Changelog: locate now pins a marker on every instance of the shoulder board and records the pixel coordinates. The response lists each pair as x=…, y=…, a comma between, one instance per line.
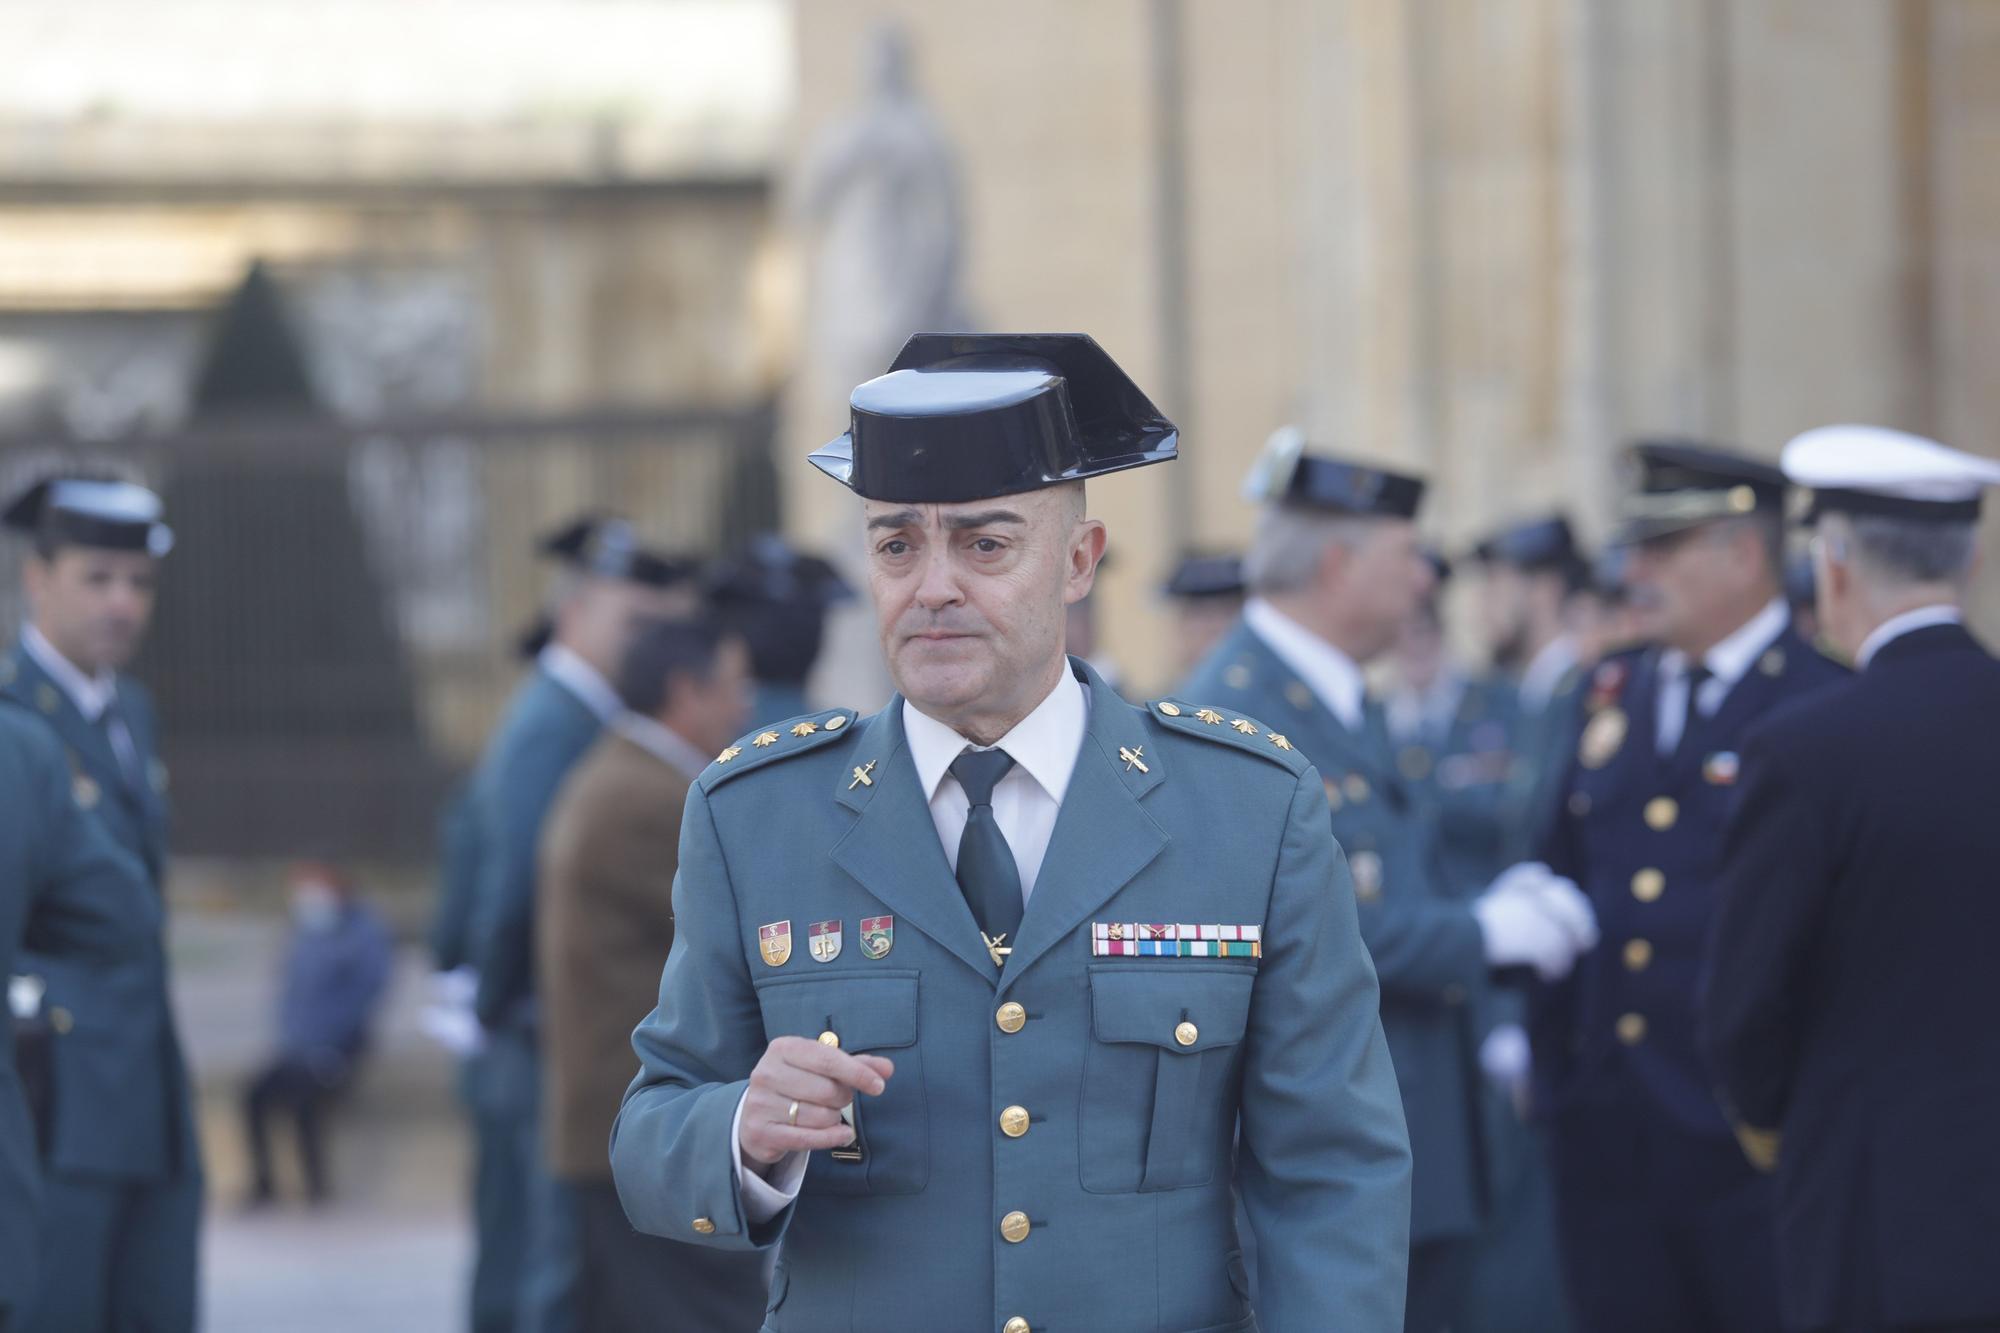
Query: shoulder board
x=780, y=740
x=1226, y=727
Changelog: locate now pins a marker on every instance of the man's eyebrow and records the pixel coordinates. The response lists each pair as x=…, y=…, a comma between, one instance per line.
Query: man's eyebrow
x=984, y=518
x=900, y=518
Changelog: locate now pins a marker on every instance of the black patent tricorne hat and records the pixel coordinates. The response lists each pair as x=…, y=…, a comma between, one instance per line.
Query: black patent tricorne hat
x=964, y=416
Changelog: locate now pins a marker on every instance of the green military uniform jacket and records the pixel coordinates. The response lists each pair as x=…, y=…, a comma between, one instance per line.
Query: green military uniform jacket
x=1425, y=942
x=1055, y=1148
x=72, y=894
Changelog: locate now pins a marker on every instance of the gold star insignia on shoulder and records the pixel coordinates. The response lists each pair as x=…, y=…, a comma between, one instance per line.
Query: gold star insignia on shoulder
x=728, y=754
x=1245, y=725
x=1280, y=741
x=1208, y=715
x=765, y=739
x=805, y=728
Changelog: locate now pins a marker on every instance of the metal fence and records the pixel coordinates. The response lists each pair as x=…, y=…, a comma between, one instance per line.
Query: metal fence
x=338, y=623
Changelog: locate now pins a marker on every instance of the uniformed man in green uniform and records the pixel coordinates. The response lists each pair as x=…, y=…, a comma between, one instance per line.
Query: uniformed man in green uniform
x=1335, y=572
x=969, y=998
x=122, y=1212
x=69, y=892
x=526, y=1271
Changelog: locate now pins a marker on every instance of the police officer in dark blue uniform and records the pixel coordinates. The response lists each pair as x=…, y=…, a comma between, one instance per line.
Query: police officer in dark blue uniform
x=776, y=599
x=1664, y=1223
x=68, y=891
x=123, y=1208
x=1851, y=992
x=525, y=1271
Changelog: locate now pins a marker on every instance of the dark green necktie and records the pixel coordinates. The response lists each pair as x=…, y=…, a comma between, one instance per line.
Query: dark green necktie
x=986, y=870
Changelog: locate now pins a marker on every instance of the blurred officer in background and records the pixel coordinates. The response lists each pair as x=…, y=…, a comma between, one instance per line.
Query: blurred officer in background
x=609, y=581
x=1850, y=992
x=1044, y=1128
x=1335, y=573
x=1664, y=1223
x=68, y=891
x=1206, y=594
x=604, y=926
x=776, y=600
x=1537, y=610
x=122, y=1217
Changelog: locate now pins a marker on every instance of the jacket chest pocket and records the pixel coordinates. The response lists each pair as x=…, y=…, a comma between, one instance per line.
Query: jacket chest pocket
x=875, y=1013
x=1166, y=1044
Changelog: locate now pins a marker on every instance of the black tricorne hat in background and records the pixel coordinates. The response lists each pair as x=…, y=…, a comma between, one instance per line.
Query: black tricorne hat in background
x=1199, y=575
x=1287, y=473
x=963, y=416
x=100, y=511
x=609, y=546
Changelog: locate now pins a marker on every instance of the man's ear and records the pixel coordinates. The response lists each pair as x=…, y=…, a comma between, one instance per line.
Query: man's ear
x=1086, y=549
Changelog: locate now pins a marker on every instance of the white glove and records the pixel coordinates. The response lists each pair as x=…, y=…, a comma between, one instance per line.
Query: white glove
x=1564, y=902
x=1520, y=928
x=1505, y=1059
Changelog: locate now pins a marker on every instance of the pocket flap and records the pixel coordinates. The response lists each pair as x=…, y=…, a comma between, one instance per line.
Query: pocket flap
x=872, y=1012
x=1135, y=1003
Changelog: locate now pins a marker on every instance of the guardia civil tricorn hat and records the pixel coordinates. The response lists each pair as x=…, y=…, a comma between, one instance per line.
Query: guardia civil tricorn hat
x=969, y=416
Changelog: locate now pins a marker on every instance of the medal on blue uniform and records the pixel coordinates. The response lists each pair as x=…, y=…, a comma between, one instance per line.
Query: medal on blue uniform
x=878, y=935
x=823, y=941
x=775, y=942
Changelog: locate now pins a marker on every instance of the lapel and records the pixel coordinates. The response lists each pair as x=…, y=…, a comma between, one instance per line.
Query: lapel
x=892, y=850
x=88, y=741
x=1103, y=836
x=1748, y=697
x=1289, y=705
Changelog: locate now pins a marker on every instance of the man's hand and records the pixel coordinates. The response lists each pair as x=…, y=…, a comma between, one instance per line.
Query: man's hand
x=821, y=1080
x=1535, y=918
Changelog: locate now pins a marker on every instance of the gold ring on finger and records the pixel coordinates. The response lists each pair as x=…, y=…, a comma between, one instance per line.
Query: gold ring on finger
x=792, y=1115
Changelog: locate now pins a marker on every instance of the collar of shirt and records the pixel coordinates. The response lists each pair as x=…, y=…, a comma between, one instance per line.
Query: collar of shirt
x=1028, y=799
x=1545, y=671
x=1730, y=660
x=91, y=694
x=1044, y=743
x=662, y=742
x=582, y=679
x=1895, y=627
x=1327, y=671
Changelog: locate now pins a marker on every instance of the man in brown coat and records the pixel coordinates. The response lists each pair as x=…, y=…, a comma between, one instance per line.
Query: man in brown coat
x=605, y=924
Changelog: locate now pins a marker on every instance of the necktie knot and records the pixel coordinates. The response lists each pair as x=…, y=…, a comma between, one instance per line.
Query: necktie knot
x=979, y=772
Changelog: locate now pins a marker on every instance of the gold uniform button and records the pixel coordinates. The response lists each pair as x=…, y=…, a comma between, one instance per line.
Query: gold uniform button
x=1014, y=1229
x=61, y=1020
x=1187, y=1034
x=1638, y=955
x=703, y=1227
x=1648, y=885
x=1014, y=1121
x=1661, y=813
x=1016, y=1325
x=830, y=1039
x=1011, y=1017
x=1631, y=1028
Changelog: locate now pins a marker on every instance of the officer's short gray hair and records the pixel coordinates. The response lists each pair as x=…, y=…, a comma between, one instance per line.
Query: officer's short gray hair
x=1901, y=550
x=1284, y=556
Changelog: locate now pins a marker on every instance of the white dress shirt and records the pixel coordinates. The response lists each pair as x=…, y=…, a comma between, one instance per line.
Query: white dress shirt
x=1327, y=672
x=1026, y=801
x=583, y=680
x=1727, y=663
x=1895, y=627
x=1545, y=671
x=92, y=695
